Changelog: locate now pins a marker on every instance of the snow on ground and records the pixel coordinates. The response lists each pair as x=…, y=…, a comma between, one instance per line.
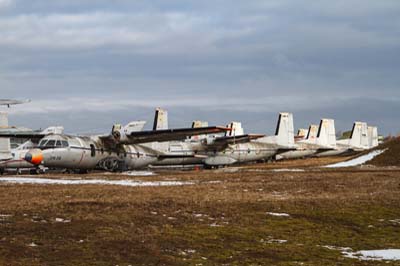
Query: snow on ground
x=383, y=254
x=357, y=161
x=288, y=170
x=138, y=173
x=278, y=214
x=128, y=183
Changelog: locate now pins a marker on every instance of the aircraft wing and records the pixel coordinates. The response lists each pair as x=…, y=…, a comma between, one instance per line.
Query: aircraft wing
x=223, y=142
x=171, y=134
x=160, y=135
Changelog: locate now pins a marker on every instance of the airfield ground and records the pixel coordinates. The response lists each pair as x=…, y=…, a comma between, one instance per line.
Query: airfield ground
x=254, y=215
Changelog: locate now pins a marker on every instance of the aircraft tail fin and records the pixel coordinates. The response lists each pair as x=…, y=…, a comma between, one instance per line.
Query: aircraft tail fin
x=326, y=133
x=5, y=151
x=199, y=124
x=373, y=137
x=236, y=129
x=160, y=119
x=359, y=135
x=312, y=133
x=302, y=133
x=285, y=130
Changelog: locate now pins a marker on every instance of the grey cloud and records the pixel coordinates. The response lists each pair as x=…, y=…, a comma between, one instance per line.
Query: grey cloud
x=251, y=57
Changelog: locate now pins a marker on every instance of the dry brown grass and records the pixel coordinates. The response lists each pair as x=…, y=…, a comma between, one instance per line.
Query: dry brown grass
x=210, y=224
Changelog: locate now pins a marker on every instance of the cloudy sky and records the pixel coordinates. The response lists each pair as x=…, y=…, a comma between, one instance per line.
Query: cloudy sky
x=87, y=64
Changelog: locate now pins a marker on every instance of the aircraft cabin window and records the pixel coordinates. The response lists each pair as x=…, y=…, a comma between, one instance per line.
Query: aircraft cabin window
x=42, y=143
x=64, y=143
x=51, y=143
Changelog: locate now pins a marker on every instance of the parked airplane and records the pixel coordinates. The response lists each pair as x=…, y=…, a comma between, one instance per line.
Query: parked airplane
x=361, y=138
x=234, y=147
x=15, y=158
x=121, y=150
x=319, y=139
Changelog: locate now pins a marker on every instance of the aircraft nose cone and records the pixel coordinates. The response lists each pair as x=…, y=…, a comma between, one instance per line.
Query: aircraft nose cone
x=34, y=157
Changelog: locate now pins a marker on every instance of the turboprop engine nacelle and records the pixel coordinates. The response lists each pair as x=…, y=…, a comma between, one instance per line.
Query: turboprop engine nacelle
x=121, y=133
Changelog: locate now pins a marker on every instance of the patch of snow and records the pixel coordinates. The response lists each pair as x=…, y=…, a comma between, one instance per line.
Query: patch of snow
x=288, y=170
x=278, y=214
x=192, y=251
x=338, y=248
x=4, y=217
x=357, y=161
x=138, y=173
x=215, y=225
x=395, y=221
x=32, y=245
x=129, y=183
x=276, y=241
x=383, y=254
x=61, y=220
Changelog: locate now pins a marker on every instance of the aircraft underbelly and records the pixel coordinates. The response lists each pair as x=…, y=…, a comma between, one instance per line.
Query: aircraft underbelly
x=330, y=153
x=295, y=154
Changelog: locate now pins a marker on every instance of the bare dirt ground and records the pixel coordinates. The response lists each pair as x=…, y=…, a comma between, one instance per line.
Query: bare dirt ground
x=227, y=217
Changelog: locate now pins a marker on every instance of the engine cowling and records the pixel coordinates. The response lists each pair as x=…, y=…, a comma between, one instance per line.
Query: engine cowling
x=111, y=164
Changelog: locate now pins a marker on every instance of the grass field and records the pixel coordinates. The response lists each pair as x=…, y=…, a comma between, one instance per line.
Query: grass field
x=237, y=219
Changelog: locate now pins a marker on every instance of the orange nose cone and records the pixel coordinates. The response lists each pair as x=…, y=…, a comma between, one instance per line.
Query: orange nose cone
x=34, y=157
x=37, y=158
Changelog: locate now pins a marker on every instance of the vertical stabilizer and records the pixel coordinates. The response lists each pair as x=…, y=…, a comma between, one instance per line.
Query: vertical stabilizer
x=312, y=134
x=236, y=129
x=198, y=124
x=160, y=119
x=359, y=135
x=373, y=137
x=5, y=152
x=285, y=129
x=302, y=133
x=326, y=133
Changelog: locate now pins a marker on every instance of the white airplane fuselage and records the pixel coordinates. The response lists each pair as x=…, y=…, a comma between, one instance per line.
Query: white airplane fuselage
x=87, y=153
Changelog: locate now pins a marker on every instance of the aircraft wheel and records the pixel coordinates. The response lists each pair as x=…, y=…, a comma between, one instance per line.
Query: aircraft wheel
x=82, y=172
x=33, y=172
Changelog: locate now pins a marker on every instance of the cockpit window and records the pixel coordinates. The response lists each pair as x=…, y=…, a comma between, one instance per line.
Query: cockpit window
x=58, y=144
x=64, y=143
x=42, y=142
x=51, y=143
